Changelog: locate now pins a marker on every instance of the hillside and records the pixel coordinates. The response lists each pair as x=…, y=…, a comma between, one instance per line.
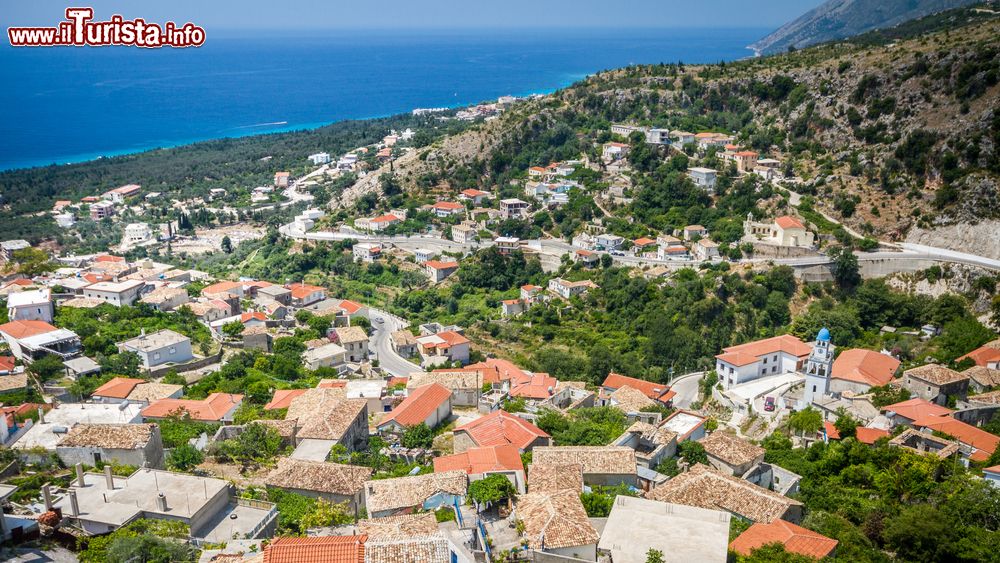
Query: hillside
x=838, y=19
x=891, y=140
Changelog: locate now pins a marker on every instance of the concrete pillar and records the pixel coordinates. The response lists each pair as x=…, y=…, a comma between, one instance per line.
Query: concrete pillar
x=74, y=505
x=47, y=495
x=109, y=478
x=161, y=502
x=79, y=475
x=41, y=415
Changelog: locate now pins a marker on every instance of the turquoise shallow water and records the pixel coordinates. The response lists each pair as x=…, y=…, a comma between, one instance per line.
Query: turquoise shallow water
x=73, y=104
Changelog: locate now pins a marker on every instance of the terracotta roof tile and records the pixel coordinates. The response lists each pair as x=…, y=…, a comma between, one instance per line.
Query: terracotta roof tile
x=731, y=449
x=407, y=492
x=548, y=477
x=418, y=405
x=111, y=436
x=917, y=408
x=870, y=435
x=786, y=222
x=864, y=366
x=481, y=460
x=935, y=374
x=401, y=526
x=318, y=476
x=983, y=376
x=554, y=520
x=796, y=539
x=211, y=409
x=26, y=329
x=325, y=549
x=989, y=352
x=117, y=387
x=501, y=427
x=651, y=389
x=785, y=343
x=614, y=460
x=705, y=487
x=325, y=413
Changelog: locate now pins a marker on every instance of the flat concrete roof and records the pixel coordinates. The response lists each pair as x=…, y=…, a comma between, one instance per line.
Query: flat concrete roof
x=635, y=525
x=682, y=423
x=185, y=494
x=66, y=415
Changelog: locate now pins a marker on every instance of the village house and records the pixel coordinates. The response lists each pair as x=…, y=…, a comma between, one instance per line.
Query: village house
x=52, y=424
x=123, y=193
x=166, y=298
x=745, y=161
x=499, y=428
x=134, y=390
x=480, y=463
x=513, y=208
x=982, y=379
x=753, y=360
x=159, y=348
x=935, y=383
x=566, y=289
x=444, y=209
x=556, y=522
x=354, y=340
x=506, y=245
x=139, y=445
x=692, y=232
x=119, y=294
x=795, y=539
x=672, y=252
x=511, y=307
x=304, y=295
x=703, y=177
x=223, y=290
x=987, y=355
x=704, y=487
x=555, y=477
x=324, y=418
x=430, y=405
x=136, y=233
x=319, y=158
x=273, y=294
x=976, y=444
x=602, y=465
x=614, y=151
x=333, y=482
x=651, y=444
x=217, y=407
x=637, y=525
x=466, y=385
x=706, y=249
x=31, y=305
x=625, y=130
x=730, y=454
x=404, y=495
x=784, y=231
x=687, y=425
x=324, y=356
x=281, y=179
x=210, y=310
x=463, y=234
x=102, y=210
x=438, y=270
x=858, y=370
x=473, y=195
x=446, y=345
x=378, y=224
x=586, y=257
x=911, y=410
x=101, y=503
x=924, y=443
x=367, y=251
x=404, y=343
x=9, y=247
x=30, y=340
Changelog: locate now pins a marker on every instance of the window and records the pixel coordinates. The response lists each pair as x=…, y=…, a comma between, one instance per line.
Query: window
x=814, y=388
x=172, y=351
x=156, y=355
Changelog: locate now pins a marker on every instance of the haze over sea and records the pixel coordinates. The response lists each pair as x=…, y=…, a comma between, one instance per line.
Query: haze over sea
x=67, y=104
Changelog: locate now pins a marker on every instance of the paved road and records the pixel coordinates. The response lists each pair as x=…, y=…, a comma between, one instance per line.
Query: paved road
x=686, y=387
x=388, y=359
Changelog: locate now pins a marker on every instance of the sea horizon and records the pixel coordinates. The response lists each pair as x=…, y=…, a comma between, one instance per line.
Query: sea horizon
x=119, y=101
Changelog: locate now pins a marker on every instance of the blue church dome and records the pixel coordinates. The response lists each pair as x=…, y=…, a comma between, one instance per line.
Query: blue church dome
x=823, y=336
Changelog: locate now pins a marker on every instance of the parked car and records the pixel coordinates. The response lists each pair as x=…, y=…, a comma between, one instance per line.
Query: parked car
x=769, y=404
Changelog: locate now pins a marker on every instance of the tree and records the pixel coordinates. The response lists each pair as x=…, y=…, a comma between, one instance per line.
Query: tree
x=654, y=556
x=693, y=452
x=326, y=513
x=846, y=424
x=256, y=444
x=227, y=245
x=47, y=367
x=806, y=421
x=494, y=488
x=418, y=436
x=32, y=262
x=233, y=329
x=184, y=458
x=844, y=267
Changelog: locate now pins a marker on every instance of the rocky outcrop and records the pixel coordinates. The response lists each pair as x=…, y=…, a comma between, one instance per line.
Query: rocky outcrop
x=982, y=238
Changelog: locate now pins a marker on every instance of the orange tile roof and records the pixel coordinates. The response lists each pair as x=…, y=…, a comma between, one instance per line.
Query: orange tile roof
x=452, y=338
x=220, y=287
x=211, y=409
x=500, y=428
x=870, y=435
x=7, y=363
x=984, y=442
x=916, y=409
x=748, y=154
x=656, y=391
x=385, y=219
x=282, y=398
x=796, y=539
x=301, y=290
x=418, y=405
x=438, y=265
x=351, y=307
x=473, y=193
x=118, y=388
x=448, y=205
x=322, y=549
x=644, y=241
x=109, y=258
x=538, y=386
x=26, y=329
x=255, y=316
x=994, y=469
x=989, y=352
x=504, y=457
x=864, y=366
x=831, y=430
x=785, y=343
x=786, y=222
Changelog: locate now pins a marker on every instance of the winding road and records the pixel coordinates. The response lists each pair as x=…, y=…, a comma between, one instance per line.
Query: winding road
x=381, y=341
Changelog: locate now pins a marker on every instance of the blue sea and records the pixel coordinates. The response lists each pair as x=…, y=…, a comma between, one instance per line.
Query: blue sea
x=68, y=104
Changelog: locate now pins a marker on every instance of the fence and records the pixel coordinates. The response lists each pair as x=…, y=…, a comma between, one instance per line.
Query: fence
x=189, y=366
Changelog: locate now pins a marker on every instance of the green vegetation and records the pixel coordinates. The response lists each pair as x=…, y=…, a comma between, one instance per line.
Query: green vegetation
x=152, y=541
x=184, y=458
x=256, y=445
x=418, y=436
x=595, y=426
x=491, y=489
x=599, y=500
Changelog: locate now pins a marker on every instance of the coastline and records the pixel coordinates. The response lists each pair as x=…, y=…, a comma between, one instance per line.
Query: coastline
x=251, y=131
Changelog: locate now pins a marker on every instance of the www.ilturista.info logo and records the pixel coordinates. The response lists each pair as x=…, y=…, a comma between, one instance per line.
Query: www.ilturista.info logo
x=78, y=30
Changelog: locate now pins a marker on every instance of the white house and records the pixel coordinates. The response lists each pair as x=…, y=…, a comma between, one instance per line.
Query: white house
x=658, y=136
x=119, y=294
x=513, y=208
x=567, y=289
x=506, y=245
x=33, y=305
x=162, y=347
x=136, y=233
x=706, y=249
x=703, y=177
x=319, y=158
x=784, y=231
x=753, y=360
x=367, y=251
x=613, y=151
x=609, y=242
x=438, y=270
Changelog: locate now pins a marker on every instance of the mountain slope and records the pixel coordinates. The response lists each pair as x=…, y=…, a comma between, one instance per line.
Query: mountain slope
x=838, y=19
